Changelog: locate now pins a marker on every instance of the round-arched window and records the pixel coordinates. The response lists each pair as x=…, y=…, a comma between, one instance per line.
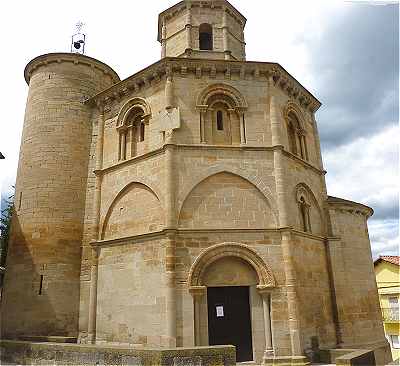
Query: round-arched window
x=206, y=37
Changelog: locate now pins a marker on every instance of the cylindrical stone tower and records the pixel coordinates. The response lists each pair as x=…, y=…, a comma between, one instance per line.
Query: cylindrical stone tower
x=41, y=289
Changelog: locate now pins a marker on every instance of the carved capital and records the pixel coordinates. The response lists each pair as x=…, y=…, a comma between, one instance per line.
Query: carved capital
x=198, y=291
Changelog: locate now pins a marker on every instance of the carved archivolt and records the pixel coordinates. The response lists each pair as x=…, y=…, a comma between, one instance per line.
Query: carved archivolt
x=216, y=252
x=130, y=105
x=222, y=92
x=292, y=107
x=303, y=190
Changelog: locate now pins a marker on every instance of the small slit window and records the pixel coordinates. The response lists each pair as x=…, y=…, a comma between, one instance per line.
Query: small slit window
x=41, y=285
x=220, y=121
x=206, y=37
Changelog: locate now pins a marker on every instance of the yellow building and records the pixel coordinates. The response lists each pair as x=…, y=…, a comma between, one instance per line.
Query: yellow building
x=387, y=270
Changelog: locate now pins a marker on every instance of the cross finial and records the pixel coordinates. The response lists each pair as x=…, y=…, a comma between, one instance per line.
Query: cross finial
x=79, y=26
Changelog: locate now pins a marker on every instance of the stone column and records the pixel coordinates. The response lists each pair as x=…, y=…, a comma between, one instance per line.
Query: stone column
x=123, y=145
x=225, y=36
x=197, y=293
x=242, y=127
x=99, y=165
x=317, y=143
x=93, y=297
x=163, y=40
x=275, y=125
x=188, y=27
x=95, y=232
x=133, y=140
x=169, y=93
x=302, y=148
x=266, y=299
x=170, y=291
x=170, y=224
x=203, y=112
x=282, y=195
x=170, y=174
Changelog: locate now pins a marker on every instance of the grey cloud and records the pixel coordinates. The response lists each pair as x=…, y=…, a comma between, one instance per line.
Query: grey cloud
x=385, y=210
x=356, y=61
x=384, y=236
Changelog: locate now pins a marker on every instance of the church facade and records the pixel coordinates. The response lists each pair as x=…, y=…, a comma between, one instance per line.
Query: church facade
x=184, y=206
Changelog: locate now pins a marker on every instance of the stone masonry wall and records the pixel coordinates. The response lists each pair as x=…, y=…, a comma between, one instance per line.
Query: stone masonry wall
x=359, y=313
x=45, y=246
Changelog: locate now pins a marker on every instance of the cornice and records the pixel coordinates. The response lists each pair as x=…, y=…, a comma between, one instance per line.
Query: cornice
x=308, y=235
x=74, y=58
x=161, y=234
x=304, y=162
x=183, y=67
x=127, y=162
x=161, y=150
x=349, y=206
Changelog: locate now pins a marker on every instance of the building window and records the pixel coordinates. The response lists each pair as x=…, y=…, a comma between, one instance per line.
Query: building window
x=41, y=285
x=220, y=121
x=395, y=341
x=296, y=137
x=206, y=37
x=131, y=133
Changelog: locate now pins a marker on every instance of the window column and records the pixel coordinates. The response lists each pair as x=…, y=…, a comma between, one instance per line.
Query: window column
x=242, y=126
x=188, y=27
x=203, y=113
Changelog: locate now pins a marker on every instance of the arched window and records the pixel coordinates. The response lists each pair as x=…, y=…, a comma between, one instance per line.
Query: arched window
x=205, y=37
x=220, y=121
x=131, y=133
x=222, y=115
x=296, y=137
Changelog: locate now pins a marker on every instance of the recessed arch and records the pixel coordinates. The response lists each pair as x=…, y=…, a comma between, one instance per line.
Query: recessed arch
x=292, y=108
x=205, y=98
x=155, y=201
x=129, y=106
x=252, y=178
x=304, y=194
x=225, y=250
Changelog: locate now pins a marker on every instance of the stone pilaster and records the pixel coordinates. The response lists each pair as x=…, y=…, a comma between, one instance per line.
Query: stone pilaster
x=170, y=291
x=290, y=274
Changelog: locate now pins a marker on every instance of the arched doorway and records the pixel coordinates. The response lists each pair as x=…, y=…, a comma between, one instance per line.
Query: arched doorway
x=231, y=284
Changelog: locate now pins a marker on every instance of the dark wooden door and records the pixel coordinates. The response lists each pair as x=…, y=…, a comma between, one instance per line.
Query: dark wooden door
x=229, y=320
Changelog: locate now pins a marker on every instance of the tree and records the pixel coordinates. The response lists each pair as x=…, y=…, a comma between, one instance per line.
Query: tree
x=5, y=223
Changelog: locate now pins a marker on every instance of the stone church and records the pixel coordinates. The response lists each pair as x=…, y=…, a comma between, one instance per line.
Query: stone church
x=184, y=206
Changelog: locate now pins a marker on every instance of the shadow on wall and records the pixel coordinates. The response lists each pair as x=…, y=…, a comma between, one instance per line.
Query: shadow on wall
x=26, y=308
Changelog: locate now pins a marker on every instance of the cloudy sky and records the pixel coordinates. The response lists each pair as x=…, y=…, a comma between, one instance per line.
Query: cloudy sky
x=345, y=52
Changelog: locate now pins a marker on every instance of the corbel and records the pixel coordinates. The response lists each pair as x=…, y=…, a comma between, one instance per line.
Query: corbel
x=198, y=72
x=184, y=71
x=228, y=73
x=146, y=81
x=242, y=72
x=213, y=72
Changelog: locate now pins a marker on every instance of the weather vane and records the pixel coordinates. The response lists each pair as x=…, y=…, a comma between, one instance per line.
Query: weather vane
x=78, y=39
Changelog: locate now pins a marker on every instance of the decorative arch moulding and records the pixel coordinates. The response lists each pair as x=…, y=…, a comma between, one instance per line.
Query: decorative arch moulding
x=216, y=252
x=174, y=66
